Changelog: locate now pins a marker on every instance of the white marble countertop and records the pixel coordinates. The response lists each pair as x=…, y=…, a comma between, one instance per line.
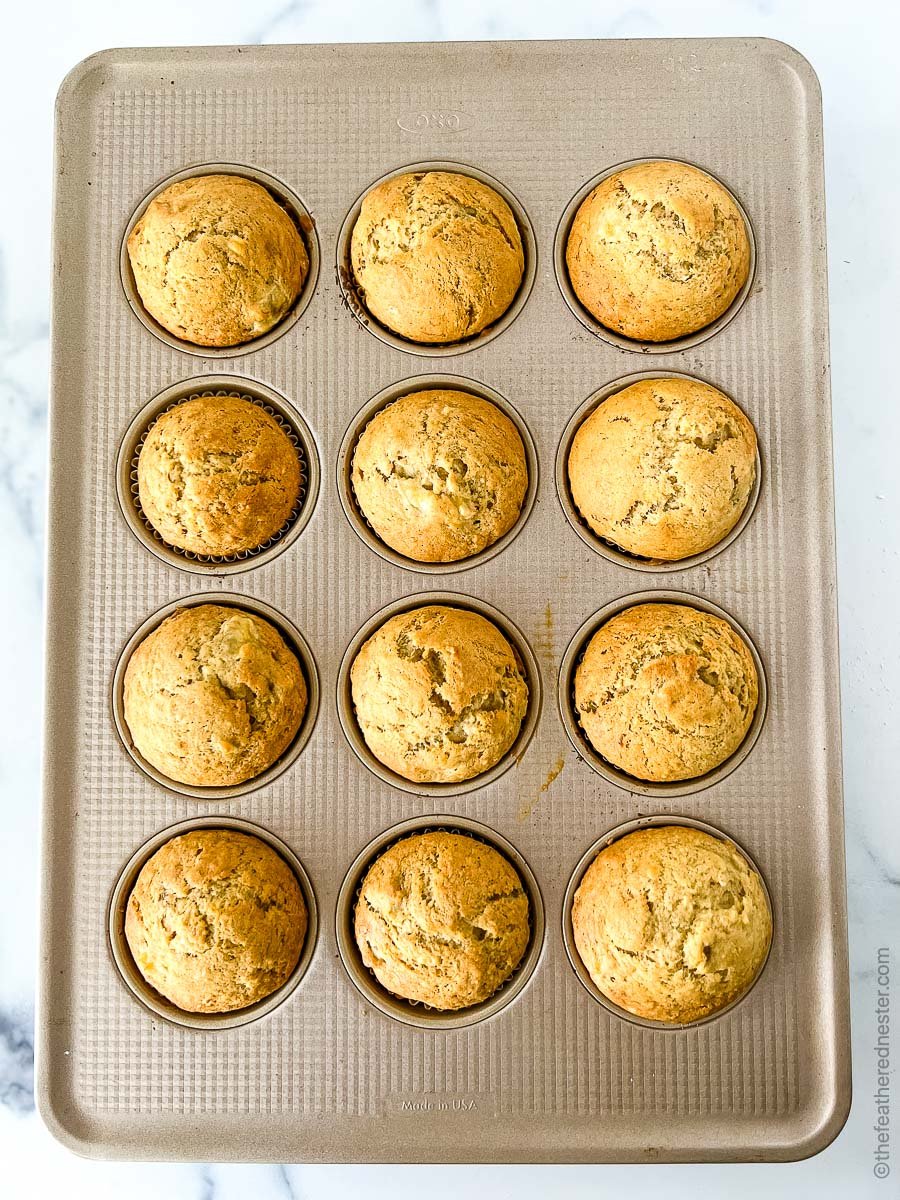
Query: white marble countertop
x=853, y=48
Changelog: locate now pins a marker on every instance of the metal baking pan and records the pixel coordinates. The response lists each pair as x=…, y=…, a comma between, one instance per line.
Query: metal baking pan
x=330, y=1071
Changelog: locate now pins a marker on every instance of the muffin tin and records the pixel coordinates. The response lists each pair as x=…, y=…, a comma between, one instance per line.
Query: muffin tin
x=334, y=1069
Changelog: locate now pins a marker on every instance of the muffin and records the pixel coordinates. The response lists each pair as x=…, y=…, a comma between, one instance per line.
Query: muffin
x=216, y=260
x=671, y=923
x=217, y=475
x=439, y=694
x=436, y=256
x=665, y=691
x=216, y=921
x=663, y=469
x=440, y=475
x=442, y=920
x=657, y=251
x=213, y=696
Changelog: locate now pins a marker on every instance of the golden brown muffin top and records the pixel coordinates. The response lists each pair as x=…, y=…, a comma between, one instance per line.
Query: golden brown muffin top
x=666, y=691
x=437, y=255
x=213, y=696
x=671, y=923
x=658, y=251
x=216, y=260
x=663, y=469
x=216, y=920
x=442, y=919
x=439, y=694
x=440, y=475
x=217, y=475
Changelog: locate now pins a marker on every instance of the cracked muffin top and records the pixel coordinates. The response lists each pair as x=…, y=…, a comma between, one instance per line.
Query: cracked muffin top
x=671, y=923
x=442, y=920
x=663, y=469
x=440, y=475
x=213, y=696
x=658, y=251
x=439, y=694
x=217, y=475
x=666, y=691
x=437, y=256
x=216, y=260
x=216, y=921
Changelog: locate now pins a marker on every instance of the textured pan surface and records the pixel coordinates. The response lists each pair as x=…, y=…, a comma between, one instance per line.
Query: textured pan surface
x=553, y=1076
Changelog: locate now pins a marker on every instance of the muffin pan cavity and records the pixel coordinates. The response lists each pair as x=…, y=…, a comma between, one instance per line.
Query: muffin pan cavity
x=609, y=335
x=134, y=981
x=568, y=934
x=609, y=550
x=354, y=301
x=526, y=661
x=287, y=198
x=566, y=699
x=422, y=1015
x=355, y=429
x=294, y=639
x=271, y=402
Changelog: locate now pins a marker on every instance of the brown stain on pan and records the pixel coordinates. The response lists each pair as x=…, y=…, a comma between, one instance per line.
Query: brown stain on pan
x=526, y=809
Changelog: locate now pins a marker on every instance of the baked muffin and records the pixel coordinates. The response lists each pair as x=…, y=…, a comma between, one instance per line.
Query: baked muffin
x=440, y=475
x=439, y=694
x=216, y=921
x=442, y=920
x=216, y=260
x=666, y=691
x=664, y=468
x=437, y=256
x=657, y=251
x=213, y=696
x=217, y=475
x=671, y=923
